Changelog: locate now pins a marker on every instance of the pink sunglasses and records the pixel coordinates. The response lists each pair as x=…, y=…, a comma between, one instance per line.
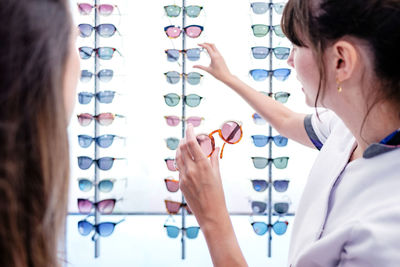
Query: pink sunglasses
x=104, y=9
x=175, y=120
x=192, y=31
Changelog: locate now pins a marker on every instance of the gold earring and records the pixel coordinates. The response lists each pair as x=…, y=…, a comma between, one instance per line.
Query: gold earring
x=339, y=86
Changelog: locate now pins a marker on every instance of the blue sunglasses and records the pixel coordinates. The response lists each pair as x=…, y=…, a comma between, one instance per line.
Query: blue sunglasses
x=173, y=231
x=263, y=140
x=262, y=74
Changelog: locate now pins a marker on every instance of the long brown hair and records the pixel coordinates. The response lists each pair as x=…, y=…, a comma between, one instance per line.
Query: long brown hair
x=34, y=158
x=318, y=23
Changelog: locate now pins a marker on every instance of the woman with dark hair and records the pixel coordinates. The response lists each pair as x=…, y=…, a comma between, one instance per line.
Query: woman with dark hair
x=39, y=69
x=345, y=54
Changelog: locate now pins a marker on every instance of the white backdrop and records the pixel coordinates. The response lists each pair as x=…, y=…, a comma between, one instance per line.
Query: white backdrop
x=140, y=80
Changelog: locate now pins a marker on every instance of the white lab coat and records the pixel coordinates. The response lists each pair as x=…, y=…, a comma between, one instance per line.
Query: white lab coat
x=349, y=213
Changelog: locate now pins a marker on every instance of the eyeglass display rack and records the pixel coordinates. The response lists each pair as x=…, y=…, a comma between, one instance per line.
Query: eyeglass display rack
x=270, y=150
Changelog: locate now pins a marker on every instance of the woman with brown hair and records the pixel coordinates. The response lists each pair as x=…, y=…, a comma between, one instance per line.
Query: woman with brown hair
x=345, y=54
x=39, y=69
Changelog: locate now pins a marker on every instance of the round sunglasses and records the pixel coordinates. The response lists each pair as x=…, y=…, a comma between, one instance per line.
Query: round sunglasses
x=261, y=30
x=105, y=53
x=262, y=74
x=175, y=120
x=193, y=78
x=192, y=31
x=173, y=231
x=104, y=163
x=193, y=54
x=171, y=184
x=262, y=185
x=103, y=141
x=105, y=97
x=104, y=75
x=263, y=140
x=279, y=227
x=260, y=8
x=104, y=30
x=230, y=132
x=105, y=206
x=192, y=100
x=103, y=229
x=261, y=162
x=103, y=9
x=104, y=119
x=261, y=52
x=192, y=11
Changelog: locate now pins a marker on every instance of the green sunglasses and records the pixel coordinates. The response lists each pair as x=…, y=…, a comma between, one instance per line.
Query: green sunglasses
x=260, y=30
x=191, y=100
x=191, y=11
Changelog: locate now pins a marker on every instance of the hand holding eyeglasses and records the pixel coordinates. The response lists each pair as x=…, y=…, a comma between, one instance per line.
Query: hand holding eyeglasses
x=200, y=180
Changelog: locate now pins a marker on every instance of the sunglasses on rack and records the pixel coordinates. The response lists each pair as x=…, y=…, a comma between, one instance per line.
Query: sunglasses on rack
x=281, y=207
x=104, y=97
x=261, y=162
x=105, y=53
x=278, y=96
x=262, y=74
x=258, y=207
x=261, y=30
x=260, y=8
x=104, y=163
x=279, y=227
x=263, y=140
x=173, y=207
x=262, y=185
x=193, y=78
x=230, y=132
x=103, y=141
x=104, y=9
x=171, y=165
x=175, y=120
x=172, y=143
x=104, y=186
x=192, y=31
x=104, y=30
x=104, y=119
x=258, y=119
x=104, y=75
x=171, y=184
x=105, y=206
x=173, y=231
x=192, y=100
x=193, y=54
x=261, y=52
x=103, y=229
x=191, y=11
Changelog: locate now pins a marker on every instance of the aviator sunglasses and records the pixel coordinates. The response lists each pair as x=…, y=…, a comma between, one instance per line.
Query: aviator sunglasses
x=230, y=132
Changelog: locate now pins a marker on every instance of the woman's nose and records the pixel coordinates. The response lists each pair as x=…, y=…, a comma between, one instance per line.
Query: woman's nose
x=290, y=61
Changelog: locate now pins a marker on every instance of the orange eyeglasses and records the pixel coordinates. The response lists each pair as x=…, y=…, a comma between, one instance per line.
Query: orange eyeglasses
x=231, y=132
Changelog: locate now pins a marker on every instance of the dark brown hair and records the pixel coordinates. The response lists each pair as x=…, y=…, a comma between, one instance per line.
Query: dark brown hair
x=34, y=160
x=317, y=23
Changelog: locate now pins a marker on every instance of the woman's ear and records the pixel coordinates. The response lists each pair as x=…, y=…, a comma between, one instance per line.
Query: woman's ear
x=345, y=59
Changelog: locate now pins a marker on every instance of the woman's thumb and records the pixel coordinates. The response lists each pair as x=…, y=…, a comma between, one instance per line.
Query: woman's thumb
x=207, y=69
